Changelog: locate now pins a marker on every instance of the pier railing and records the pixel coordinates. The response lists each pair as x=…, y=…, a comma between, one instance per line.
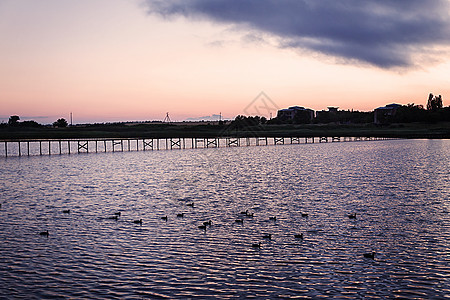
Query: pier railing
x=33, y=147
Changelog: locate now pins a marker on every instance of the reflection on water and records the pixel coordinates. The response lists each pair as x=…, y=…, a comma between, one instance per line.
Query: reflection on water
x=399, y=191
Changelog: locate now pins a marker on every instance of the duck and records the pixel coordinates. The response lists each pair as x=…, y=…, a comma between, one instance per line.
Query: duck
x=369, y=255
x=298, y=236
x=44, y=233
x=180, y=215
x=256, y=245
x=241, y=221
x=250, y=215
x=138, y=221
x=164, y=218
x=66, y=211
x=202, y=227
x=114, y=218
x=352, y=216
x=273, y=218
x=117, y=214
x=191, y=204
x=244, y=212
x=267, y=236
x=305, y=215
x=208, y=223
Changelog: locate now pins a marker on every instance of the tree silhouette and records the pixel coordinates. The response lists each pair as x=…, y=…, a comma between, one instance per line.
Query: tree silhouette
x=13, y=120
x=60, y=123
x=434, y=102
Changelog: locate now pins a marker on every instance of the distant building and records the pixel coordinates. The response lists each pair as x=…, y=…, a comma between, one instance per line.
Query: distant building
x=327, y=116
x=298, y=114
x=384, y=115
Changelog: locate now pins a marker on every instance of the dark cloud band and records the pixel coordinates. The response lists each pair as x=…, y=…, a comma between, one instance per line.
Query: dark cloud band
x=386, y=33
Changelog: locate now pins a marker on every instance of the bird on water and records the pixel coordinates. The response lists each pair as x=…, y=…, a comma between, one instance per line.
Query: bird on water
x=299, y=236
x=138, y=221
x=207, y=223
x=369, y=255
x=267, y=236
x=305, y=215
x=180, y=215
x=256, y=245
x=240, y=221
x=66, y=211
x=203, y=227
x=273, y=218
x=164, y=218
x=114, y=218
x=191, y=204
x=44, y=233
x=352, y=216
x=117, y=214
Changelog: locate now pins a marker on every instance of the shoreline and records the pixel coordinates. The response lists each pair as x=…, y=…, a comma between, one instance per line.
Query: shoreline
x=111, y=131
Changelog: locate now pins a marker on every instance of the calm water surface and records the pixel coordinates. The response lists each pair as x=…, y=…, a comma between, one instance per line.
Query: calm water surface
x=399, y=190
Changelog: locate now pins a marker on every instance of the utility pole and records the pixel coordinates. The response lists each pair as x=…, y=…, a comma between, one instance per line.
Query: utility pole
x=71, y=120
x=167, y=119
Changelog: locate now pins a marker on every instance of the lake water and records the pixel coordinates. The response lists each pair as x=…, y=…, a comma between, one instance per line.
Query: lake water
x=399, y=190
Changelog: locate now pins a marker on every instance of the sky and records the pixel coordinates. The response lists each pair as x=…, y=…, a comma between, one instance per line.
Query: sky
x=136, y=60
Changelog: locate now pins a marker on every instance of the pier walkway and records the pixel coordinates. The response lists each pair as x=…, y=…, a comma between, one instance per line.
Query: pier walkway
x=30, y=147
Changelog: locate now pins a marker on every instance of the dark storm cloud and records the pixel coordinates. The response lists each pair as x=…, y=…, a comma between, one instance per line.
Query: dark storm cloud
x=386, y=33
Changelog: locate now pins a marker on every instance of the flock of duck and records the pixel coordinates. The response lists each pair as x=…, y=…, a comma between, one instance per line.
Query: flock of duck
x=204, y=226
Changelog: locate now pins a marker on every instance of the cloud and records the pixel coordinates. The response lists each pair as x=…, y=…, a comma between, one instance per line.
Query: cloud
x=385, y=33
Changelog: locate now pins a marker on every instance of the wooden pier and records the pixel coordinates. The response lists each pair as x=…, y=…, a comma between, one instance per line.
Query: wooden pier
x=76, y=146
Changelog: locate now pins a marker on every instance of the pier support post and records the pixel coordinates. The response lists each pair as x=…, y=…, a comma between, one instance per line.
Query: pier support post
x=175, y=143
x=148, y=144
x=277, y=141
x=83, y=145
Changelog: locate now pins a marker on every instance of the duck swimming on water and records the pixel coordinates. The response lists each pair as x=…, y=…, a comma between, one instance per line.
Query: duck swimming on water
x=256, y=245
x=369, y=255
x=44, y=233
x=138, y=221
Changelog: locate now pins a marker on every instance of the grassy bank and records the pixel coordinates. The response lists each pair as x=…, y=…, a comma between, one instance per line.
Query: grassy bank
x=409, y=130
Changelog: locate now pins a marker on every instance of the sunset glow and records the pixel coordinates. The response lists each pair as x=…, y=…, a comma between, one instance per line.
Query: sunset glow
x=125, y=60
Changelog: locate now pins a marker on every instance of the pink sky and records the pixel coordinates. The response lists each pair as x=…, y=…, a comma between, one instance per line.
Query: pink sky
x=108, y=60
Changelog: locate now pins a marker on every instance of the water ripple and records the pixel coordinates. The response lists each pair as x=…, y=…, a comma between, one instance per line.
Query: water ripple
x=397, y=189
